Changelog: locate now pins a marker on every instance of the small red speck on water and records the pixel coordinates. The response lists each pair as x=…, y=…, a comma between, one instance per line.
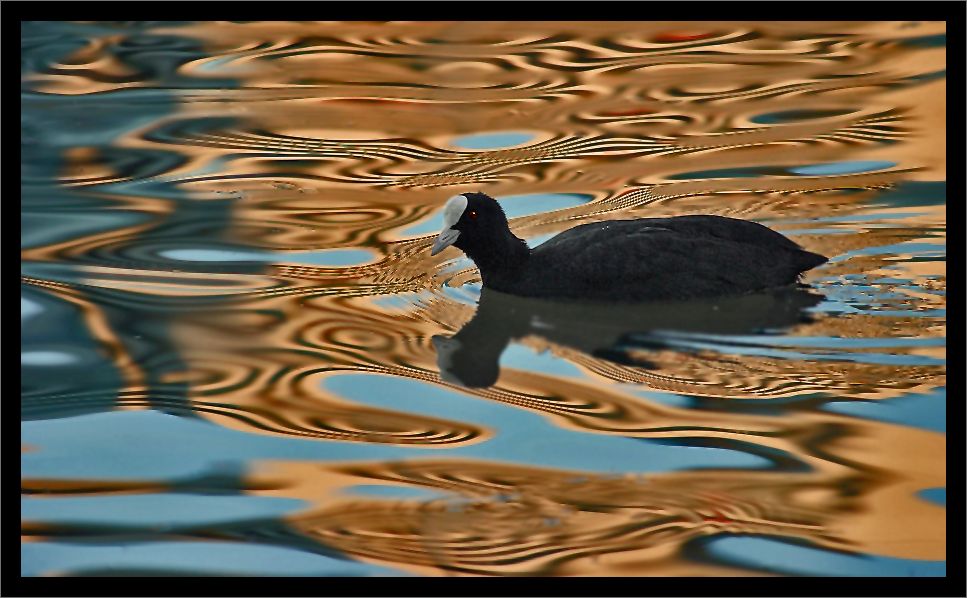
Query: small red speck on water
x=717, y=517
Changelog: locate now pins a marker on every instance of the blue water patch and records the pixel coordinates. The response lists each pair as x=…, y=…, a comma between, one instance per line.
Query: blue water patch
x=387, y=491
x=818, y=231
x=934, y=250
x=914, y=193
x=524, y=358
x=326, y=257
x=397, y=301
x=928, y=411
x=468, y=294
x=670, y=399
x=165, y=510
x=165, y=447
x=851, y=295
x=426, y=227
x=811, y=341
x=793, y=116
x=320, y=257
x=536, y=240
x=514, y=206
x=926, y=41
x=870, y=219
x=212, y=558
x=725, y=344
x=760, y=553
x=65, y=370
x=527, y=438
x=47, y=228
x=937, y=496
x=842, y=167
x=29, y=308
x=213, y=255
x=495, y=140
x=46, y=358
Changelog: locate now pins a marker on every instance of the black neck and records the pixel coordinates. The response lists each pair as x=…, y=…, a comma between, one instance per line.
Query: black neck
x=500, y=261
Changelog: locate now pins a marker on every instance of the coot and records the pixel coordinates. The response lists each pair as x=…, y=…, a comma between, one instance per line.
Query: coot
x=683, y=257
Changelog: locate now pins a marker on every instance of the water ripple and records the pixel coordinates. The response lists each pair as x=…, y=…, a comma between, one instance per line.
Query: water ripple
x=225, y=265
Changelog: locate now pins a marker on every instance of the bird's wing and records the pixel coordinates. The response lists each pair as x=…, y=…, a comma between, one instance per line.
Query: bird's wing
x=685, y=264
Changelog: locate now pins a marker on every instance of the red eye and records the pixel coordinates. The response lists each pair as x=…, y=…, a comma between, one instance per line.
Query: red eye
x=472, y=214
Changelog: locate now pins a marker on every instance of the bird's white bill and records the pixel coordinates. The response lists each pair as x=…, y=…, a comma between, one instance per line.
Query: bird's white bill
x=445, y=239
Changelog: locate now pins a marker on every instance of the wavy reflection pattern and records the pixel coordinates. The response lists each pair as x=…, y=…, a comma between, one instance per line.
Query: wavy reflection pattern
x=228, y=224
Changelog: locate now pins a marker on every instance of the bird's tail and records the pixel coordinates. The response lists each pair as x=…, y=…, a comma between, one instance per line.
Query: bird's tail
x=807, y=260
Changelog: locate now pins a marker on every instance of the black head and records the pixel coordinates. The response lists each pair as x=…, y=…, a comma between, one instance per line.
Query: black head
x=471, y=220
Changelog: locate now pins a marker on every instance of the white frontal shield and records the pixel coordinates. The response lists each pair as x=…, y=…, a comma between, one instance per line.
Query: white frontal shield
x=452, y=212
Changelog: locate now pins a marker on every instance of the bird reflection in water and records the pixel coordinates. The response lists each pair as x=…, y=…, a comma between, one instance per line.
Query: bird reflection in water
x=617, y=332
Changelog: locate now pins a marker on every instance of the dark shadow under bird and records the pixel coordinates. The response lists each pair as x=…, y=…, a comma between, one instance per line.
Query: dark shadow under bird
x=621, y=332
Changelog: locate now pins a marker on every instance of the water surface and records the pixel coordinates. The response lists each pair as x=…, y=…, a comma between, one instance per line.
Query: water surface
x=239, y=358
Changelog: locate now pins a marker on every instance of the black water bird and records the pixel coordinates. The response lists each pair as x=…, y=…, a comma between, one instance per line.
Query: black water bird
x=618, y=332
x=646, y=259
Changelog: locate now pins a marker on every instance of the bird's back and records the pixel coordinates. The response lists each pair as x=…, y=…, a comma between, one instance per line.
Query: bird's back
x=663, y=258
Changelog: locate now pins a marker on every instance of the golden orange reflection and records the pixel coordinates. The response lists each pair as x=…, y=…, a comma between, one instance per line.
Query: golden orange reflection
x=336, y=136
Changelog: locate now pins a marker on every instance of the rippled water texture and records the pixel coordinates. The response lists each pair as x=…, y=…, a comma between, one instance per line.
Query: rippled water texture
x=239, y=357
